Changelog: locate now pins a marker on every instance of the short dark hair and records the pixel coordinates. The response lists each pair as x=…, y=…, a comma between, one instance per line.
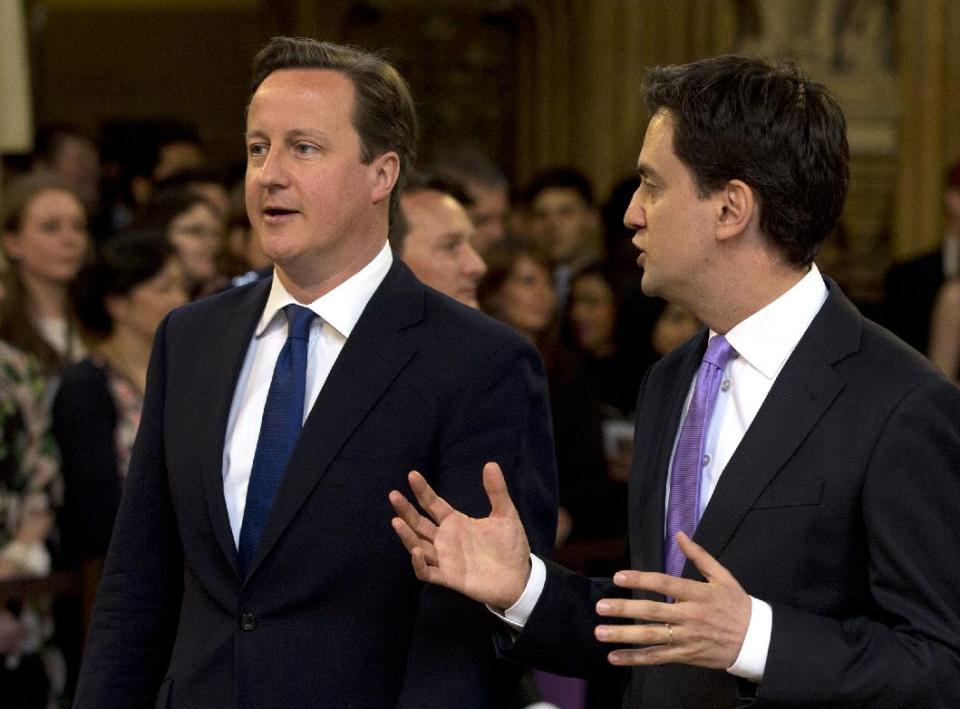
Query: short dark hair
x=123, y=262
x=384, y=115
x=423, y=181
x=767, y=124
x=470, y=165
x=561, y=178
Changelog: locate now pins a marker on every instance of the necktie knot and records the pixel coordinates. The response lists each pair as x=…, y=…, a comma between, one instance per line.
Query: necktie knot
x=719, y=351
x=299, y=319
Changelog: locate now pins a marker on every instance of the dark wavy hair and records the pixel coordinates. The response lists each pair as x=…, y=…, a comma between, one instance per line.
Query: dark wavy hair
x=123, y=262
x=384, y=115
x=767, y=124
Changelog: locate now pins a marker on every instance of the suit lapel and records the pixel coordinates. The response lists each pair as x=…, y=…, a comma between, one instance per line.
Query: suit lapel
x=804, y=390
x=226, y=347
x=373, y=356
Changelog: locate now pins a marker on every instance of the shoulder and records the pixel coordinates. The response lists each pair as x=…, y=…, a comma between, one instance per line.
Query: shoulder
x=84, y=373
x=83, y=387
x=466, y=332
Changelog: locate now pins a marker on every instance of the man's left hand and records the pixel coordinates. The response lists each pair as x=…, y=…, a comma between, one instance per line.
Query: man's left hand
x=704, y=626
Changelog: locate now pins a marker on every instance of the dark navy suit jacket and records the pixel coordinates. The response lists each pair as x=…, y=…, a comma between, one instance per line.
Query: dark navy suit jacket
x=330, y=614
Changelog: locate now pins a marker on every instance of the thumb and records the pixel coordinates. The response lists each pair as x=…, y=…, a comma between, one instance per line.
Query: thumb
x=493, y=482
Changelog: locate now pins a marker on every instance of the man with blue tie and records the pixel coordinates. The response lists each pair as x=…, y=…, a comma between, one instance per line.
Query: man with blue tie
x=252, y=562
x=795, y=488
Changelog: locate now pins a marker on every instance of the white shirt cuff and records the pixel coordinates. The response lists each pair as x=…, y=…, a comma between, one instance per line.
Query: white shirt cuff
x=752, y=660
x=516, y=616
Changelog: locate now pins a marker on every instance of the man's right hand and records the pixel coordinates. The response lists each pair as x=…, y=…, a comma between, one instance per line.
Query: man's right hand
x=486, y=559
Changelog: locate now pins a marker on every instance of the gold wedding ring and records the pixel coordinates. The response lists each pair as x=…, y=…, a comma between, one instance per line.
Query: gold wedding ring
x=670, y=636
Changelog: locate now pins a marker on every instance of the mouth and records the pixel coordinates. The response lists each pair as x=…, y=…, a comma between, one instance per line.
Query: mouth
x=277, y=214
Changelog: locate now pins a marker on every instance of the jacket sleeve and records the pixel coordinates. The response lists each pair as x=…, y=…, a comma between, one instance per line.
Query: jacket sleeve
x=135, y=614
x=502, y=415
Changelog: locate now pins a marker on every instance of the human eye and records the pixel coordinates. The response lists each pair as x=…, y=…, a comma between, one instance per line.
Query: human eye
x=256, y=150
x=303, y=148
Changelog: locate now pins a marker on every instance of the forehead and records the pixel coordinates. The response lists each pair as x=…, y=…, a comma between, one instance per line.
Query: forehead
x=305, y=95
x=554, y=197
x=657, y=153
x=49, y=200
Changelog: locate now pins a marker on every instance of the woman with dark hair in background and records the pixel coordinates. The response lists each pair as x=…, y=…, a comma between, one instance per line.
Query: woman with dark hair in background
x=121, y=300
x=194, y=228
x=45, y=242
x=518, y=290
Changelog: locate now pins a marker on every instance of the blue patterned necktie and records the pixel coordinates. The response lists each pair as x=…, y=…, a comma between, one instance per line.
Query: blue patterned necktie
x=279, y=430
x=683, y=510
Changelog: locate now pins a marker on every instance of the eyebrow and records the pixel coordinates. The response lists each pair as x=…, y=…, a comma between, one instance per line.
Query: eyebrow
x=289, y=135
x=645, y=170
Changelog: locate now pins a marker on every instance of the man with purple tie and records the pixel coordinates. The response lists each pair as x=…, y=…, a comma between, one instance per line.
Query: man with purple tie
x=795, y=488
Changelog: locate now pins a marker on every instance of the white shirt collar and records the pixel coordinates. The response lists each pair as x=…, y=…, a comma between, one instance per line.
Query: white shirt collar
x=768, y=337
x=340, y=308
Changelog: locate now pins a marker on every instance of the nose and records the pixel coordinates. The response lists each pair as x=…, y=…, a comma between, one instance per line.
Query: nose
x=635, y=218
x=474, y=266
x=271, y=171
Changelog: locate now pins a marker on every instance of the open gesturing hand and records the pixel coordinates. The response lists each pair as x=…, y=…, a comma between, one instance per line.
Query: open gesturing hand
x=704, y=626
x=486, y=559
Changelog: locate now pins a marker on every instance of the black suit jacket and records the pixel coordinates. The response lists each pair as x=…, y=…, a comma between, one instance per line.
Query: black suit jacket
x=330, y=614
x=840, y=508
x=910, y=293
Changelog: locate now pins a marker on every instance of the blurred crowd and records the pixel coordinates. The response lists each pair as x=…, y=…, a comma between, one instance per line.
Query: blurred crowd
x=100, y=240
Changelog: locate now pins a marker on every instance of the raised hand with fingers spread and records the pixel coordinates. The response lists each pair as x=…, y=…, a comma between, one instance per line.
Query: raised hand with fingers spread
x=486, y=559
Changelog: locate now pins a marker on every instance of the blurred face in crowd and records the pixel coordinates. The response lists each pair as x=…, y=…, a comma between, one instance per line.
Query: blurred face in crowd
x=318, y=210
x=140, y=311
x=488, y=212
x=178, y=156
x=561, y=222
x=527, y=300
x=52, y=241
x=438, y=246
x=675, y=326
x=196, y=235
x=593, y=314
x=78, y=164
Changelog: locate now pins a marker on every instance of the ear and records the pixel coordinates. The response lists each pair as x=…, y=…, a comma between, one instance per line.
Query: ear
x=385, y=171
x=951, y=200
x=736, y=204
x=11, y=245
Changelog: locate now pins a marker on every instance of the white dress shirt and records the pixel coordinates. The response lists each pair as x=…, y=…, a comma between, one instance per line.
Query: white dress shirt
x=763, y=342
x=338, y=312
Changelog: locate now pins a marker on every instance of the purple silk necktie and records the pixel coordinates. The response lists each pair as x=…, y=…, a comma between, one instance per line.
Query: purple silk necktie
x=683, y=511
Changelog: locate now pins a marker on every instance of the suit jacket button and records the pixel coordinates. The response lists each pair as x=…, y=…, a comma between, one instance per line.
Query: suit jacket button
x=248, y=622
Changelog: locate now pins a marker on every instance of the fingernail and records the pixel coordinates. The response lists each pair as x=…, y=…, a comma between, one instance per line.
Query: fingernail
x=603, y=633
x=614, y=659
x=603, y=607
x=619, y=578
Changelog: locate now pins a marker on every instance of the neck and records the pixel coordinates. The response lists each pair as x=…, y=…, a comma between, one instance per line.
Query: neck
x=306, y=283
x=736, y=300
x=48, y=299
x=128, y=354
